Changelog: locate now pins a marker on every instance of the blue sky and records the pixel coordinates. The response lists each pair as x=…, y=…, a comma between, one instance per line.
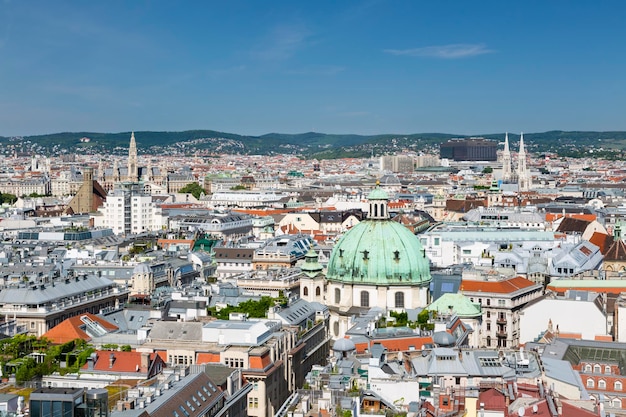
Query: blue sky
x=254, y=67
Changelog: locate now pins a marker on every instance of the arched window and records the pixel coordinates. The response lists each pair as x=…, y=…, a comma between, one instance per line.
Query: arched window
x=365, y=299
x=607, y=369
x=590, y=383
x=597, y=369
x=602, y=384
x=305, y=292
x=318, y=292
x=588, y=368
x=337, y=295
x=399, y=299
x=618, y=386
x=336, y=328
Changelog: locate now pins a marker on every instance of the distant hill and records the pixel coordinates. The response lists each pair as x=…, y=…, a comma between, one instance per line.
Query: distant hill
x=310, y=145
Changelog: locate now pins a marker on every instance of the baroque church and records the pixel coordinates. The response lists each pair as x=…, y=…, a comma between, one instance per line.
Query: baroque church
x=377, y=263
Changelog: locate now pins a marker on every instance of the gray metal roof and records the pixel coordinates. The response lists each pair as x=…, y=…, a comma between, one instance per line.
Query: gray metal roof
x=54, y=291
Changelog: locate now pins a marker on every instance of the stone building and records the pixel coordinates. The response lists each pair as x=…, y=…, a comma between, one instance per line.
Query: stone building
x=89, y=196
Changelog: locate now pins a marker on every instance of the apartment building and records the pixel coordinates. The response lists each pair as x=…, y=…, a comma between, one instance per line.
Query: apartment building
x=501, y=301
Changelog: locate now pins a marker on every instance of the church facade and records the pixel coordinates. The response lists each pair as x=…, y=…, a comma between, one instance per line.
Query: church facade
x=377, y=263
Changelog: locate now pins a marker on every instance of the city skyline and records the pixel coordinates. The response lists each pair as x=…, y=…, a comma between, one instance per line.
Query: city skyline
x=364, y=68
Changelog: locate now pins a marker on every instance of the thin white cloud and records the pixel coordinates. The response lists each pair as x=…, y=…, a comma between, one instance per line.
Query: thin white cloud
x=282, y=43
x=452, y=51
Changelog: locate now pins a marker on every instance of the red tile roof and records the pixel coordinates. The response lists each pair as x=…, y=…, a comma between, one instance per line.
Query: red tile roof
x=601, y=240
x=402, y=344
x=617, y=252
x=493, y=400
x=72, y=329
x=500, y=287
x=109, y=361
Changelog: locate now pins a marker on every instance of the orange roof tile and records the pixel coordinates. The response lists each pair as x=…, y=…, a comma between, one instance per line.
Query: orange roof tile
x=115, y=361
x=601, y=240
x=205, y=357
x=550, y=217
x=260, y=362
x=397, y=344
x=566, y=335
x=71, y=329
x=500, y=287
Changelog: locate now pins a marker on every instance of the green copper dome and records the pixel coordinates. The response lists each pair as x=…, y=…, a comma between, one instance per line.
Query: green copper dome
x=377, y=194
x=458, y=304
x=379, y=252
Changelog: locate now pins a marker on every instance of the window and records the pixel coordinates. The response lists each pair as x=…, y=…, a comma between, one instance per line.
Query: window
x=365, y=299
x=597, y=369
x=399, y=299
x=305, y=292
x=488, y=326
x=618, y=386
x=318, y=291
x=607, y=369
x=436, y=241
x=337, y=295
x=488, y=314
x=488, y=301
x=590, y=383
x=602, y=384
x=617, y=403
x=588, y=368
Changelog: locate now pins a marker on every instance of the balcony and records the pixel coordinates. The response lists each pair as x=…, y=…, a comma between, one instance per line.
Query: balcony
x=501, y=334
x=501, y=320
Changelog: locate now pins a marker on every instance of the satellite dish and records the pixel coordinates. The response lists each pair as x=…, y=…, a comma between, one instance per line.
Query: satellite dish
x=521, y=411
x=535, y=409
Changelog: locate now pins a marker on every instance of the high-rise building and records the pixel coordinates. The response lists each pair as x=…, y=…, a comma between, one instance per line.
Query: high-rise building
x=396, y=163
x=128, y=209
x=472, y=149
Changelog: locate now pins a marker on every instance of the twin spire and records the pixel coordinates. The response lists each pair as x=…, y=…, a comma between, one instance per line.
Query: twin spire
x=523, y=179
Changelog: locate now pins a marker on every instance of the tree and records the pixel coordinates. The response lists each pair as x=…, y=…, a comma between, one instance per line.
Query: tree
x=7, y=198
x=194, y=189
x=487, y=170
x=423, y=320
